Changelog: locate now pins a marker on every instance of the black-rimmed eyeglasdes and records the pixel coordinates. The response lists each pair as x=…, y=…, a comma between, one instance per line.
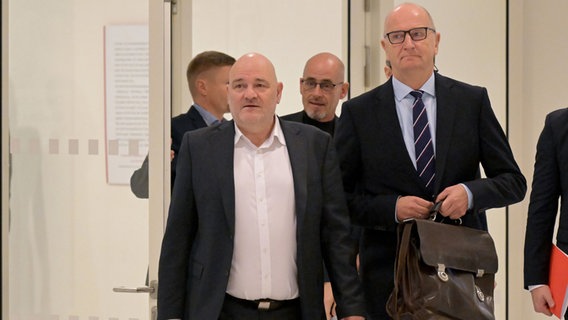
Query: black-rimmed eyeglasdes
x=416, y=34
x=325, y=85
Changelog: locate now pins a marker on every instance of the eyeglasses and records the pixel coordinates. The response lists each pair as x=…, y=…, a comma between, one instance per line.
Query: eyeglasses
x=326, y=85
x=416, y=34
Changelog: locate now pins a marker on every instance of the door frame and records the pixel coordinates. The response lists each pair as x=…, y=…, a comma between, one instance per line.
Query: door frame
x=159, y=21
x=5, y=161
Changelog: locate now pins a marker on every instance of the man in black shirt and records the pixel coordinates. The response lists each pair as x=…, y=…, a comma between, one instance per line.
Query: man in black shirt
x=322, y=86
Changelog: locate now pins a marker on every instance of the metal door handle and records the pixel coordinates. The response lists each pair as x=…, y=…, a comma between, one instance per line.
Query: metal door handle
x=152, y=289
x=133, y=290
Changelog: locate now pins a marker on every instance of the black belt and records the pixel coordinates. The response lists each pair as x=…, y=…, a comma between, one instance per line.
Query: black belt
x=263, y=304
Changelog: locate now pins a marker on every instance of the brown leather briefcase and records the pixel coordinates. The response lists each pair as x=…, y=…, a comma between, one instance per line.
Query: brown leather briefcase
x=443, y=271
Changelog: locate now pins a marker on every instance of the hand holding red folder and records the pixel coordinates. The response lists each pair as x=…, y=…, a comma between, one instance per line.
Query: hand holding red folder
x=558, y=281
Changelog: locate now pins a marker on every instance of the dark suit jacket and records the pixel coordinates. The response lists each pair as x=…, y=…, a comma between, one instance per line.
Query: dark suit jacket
x=550, y=181
x=180, y=124
x=296, y=116
x=302, y=117
x=198, y=243
x=377, y=169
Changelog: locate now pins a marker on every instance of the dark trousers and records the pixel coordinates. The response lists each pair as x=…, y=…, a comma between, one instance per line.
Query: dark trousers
x=236, y=309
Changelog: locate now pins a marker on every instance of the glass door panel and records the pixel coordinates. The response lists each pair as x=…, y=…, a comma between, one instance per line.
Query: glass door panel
x=76, y=134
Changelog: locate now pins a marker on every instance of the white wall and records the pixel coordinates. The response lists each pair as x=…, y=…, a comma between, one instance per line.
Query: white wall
x=538, y=75
x=287, y=32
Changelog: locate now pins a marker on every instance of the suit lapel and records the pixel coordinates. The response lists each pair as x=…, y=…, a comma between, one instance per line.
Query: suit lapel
x=297, y=151
x=446, y=105
x=222, y=155
x=388, y=122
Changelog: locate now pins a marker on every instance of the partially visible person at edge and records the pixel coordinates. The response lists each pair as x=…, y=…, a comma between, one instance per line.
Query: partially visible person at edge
x=322, y=86
x=207, y=77
x=459, y=132
x=247, y=233
x=549, y=185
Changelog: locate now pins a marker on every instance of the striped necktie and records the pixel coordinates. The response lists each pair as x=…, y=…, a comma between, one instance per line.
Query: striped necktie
x=425, y=160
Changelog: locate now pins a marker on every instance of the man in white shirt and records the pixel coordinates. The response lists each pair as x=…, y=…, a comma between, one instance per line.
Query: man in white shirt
x=247, y=233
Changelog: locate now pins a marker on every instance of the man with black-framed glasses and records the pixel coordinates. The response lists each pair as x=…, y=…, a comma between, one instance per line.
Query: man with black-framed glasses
x=322, y=86
x=416, y=140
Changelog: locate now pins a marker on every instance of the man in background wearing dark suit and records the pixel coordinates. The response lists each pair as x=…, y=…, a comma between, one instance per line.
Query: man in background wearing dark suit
x=256, y=208
x=550, y=182
x=322, y=86
x=378, y=156
x=207, y=77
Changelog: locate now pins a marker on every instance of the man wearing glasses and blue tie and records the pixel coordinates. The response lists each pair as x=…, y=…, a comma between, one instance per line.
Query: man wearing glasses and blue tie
x=416, y=140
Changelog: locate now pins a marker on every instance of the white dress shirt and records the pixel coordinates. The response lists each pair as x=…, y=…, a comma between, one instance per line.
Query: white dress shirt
x=404, y=103
x=264, y=255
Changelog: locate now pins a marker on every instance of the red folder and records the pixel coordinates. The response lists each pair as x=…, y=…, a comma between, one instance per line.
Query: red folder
x=558, y=281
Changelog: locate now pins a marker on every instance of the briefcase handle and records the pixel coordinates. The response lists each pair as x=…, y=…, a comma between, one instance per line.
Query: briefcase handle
x=436, y=209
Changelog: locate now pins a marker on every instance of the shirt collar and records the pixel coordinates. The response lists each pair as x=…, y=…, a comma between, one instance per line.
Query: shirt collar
x=206, y=115
x=401, y=90
x=276, y=136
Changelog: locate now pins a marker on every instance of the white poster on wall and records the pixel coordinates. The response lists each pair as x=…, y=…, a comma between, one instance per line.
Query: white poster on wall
x=126, y=100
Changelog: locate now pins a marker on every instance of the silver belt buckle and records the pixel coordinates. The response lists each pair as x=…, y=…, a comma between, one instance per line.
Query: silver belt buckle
x=264, y=305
